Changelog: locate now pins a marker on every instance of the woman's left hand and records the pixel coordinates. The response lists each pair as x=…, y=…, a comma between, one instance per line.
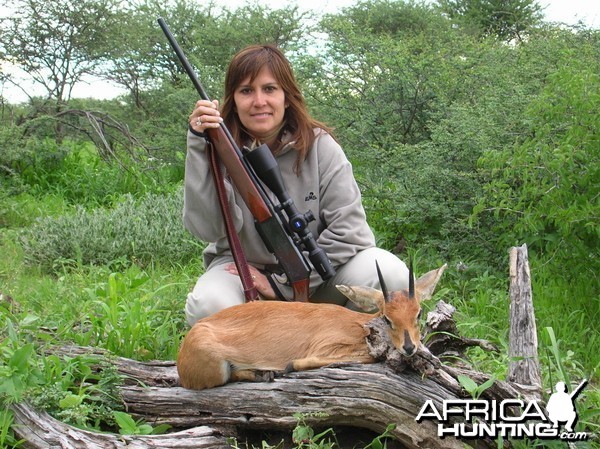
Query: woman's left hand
x=260, y=281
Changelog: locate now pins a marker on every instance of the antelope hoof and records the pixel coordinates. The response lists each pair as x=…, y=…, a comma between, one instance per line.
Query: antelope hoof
x=265, y=376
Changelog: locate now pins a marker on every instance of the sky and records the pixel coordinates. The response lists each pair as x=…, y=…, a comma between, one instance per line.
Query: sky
x=567, y=11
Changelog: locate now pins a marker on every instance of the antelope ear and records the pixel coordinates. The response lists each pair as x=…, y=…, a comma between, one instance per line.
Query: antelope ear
x=425, y=285
x=368, y=299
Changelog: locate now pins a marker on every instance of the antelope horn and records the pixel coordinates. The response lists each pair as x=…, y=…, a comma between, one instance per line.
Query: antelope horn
x=384, y=290
x=411, y=281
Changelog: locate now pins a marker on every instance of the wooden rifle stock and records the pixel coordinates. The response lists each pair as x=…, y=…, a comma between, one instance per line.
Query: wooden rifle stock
x=268, y=224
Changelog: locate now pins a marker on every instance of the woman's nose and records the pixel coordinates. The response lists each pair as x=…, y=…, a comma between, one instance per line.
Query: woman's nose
x=259, y=99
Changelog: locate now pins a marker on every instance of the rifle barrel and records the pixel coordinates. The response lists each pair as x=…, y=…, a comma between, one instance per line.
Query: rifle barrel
x=196, y=82
x=183, y=59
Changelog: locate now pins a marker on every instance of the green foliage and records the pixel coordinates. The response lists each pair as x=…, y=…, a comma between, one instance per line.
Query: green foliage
x=544, y=191
x=415, y=110
x=166, y=111
x=560, y=366
x=74, y=171
x=504, y=19
x=142, y=231
x=472, y=388
x=18, y=372
x=79, y=390
x=21, y=210
x=378, y=74
x=128, y=426
x=125, y=316
x=7, y=438
x=20, y=156
x=67, y=387
x=304, y=435
x=570, y=307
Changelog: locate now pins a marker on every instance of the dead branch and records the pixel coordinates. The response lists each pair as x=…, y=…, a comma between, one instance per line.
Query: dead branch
x=361, y=396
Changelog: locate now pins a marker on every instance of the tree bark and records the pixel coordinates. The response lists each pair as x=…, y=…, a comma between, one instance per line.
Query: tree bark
x=369, y=396
x=364, y=396
x=40, y=430
x=524, y=367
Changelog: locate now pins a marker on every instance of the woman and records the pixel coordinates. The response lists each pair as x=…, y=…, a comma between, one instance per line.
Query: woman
x=263, y=104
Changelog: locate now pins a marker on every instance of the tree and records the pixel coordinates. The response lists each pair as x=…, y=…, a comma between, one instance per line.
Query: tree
x=160, y=93
x=139, y=57
x=53, y=41
x=506, y=19
x=379, y=68
x=392, y=71
x=545, y=189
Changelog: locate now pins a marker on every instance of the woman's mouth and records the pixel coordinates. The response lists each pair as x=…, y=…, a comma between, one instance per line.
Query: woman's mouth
x=261, y=115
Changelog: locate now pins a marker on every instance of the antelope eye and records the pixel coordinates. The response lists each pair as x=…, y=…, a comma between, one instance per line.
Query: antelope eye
x=388, y=321
x=420, y=314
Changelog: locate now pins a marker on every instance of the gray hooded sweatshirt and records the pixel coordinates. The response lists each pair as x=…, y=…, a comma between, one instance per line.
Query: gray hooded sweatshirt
x=325, y=185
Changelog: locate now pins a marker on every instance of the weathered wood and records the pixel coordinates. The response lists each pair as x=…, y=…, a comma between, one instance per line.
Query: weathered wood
x=360, y=396
x=40, y=430
x=364, y=396
x=524, y=367
x=442, y=337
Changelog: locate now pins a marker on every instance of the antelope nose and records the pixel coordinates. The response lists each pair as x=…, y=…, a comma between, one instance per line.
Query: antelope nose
x=408, y=346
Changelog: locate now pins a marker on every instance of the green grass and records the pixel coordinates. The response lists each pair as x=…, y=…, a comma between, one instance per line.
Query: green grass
x=134, y=313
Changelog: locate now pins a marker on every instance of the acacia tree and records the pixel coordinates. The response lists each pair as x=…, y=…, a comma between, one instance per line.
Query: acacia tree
x=54, y=42
x=160, y=95
x=505, y=19
x=139, y=57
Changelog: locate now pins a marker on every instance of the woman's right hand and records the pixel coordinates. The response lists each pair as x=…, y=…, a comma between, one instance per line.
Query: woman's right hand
x=205, y=115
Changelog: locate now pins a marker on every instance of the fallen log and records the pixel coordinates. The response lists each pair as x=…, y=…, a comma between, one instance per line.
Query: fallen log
x=362, y=396
x=359, y=396
x=40, y=430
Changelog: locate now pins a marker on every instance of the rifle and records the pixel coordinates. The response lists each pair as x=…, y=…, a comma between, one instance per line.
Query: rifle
x=285, y=238
x=577, y=390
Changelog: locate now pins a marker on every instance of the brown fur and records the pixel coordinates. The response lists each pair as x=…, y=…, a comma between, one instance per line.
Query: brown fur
x=242, y=342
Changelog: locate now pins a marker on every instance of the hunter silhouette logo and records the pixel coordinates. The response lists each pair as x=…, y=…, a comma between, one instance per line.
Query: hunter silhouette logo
x=561, y=405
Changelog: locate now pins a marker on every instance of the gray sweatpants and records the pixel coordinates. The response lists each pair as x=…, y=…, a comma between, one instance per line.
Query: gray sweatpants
x=217, y=289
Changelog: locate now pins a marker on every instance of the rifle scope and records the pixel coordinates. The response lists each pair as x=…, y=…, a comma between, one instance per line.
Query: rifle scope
x=265, y=166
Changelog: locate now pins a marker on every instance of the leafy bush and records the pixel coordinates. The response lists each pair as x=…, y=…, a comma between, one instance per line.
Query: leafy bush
x=545, y=190
x=20, y=156
x=141, y=231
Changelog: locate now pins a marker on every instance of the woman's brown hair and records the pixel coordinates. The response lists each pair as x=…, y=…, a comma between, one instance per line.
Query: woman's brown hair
x=297, y=121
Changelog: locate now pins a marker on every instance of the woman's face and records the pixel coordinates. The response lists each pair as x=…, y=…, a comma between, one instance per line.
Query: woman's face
x=260, y=104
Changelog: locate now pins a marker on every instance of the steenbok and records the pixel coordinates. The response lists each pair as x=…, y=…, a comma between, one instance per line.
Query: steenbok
x=246, y=341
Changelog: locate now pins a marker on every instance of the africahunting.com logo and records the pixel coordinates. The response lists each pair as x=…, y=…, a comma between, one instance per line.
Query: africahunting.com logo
x=509, y=418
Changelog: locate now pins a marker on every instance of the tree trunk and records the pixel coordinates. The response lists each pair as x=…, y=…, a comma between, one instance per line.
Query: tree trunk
x=524, y=367
x=369, y=396
x=363, y=396
x=40, y=430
